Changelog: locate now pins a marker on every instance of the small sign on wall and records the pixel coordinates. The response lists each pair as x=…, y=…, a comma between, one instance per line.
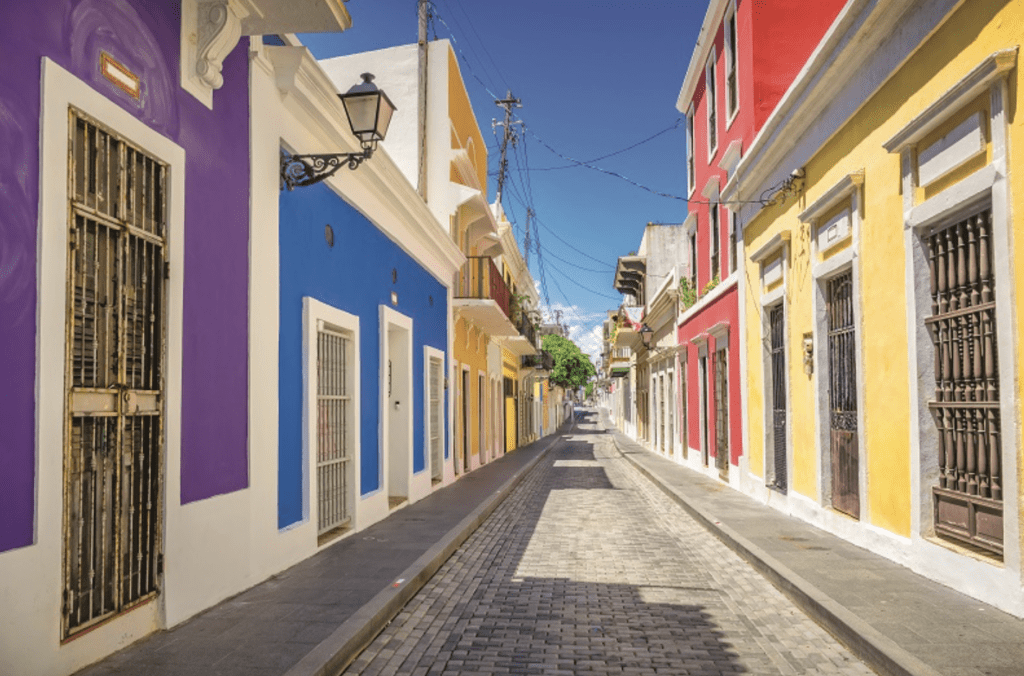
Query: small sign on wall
x=121, y=76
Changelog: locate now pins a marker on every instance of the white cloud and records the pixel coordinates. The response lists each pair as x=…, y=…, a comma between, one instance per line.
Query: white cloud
x=585, y=328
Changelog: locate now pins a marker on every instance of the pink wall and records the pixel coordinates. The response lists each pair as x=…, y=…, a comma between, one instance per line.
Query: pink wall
x=724, y=309
x=783, y=39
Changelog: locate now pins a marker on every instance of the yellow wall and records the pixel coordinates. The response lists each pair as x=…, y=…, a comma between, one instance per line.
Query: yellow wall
x=975, y=31
x=546, y=391
x=465, y=132
x=509, y=370
x=473, y=354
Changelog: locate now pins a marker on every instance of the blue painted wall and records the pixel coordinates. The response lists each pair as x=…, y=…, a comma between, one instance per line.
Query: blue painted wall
x=355, y=276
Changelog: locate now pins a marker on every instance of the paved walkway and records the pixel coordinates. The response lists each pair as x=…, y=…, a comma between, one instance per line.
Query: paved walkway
x=898, y=621
x=316, y=616
x=587, y=568
x=560, y=582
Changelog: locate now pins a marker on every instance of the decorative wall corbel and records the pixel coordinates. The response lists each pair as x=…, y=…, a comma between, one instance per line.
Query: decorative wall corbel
x=219, y=27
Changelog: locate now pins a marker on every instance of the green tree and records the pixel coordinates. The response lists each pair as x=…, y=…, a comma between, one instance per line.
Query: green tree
x=572, y=367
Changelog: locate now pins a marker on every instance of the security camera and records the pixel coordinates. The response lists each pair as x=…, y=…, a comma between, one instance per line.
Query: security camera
x=797, y=173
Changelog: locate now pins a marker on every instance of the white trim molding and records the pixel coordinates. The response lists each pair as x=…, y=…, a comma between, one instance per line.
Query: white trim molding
x=316, y=314
x=211, y=29
x=987, y=187
x=32, y=575
x=850, y=185
x=981, y=77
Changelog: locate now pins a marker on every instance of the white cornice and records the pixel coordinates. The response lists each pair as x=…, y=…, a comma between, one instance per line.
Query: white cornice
x=840, y=191
x=711, y=188
x=709, y=298
x=969, y=87
x=731, y=156
x=771, y=246
x=312, y=97
x=708, y=30
x=690, y=224
x=855, y=36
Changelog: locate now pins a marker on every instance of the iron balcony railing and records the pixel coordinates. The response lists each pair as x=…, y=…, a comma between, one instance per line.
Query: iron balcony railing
x=527, y=330
x=479, y=278
x=544, y=361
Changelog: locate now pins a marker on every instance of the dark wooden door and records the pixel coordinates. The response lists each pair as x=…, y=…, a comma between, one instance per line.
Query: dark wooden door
x=842, y=394
x=968, y=500
x=778, y=477
x=721, y=413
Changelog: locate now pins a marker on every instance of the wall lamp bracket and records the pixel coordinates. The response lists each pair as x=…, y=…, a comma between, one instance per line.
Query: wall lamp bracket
x=303, y=170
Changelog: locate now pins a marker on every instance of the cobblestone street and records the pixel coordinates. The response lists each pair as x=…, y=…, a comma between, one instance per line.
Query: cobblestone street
x=588, y=568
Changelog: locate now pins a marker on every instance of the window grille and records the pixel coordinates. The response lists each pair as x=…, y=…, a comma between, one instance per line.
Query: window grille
x=842, y=372
x=334, y=419
x=968, y=499
x=114, y=374
x=436, y=420
x=777, y=330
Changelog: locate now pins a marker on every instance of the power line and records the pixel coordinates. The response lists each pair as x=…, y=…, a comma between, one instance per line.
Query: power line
x=618, y=152
x=596, y=293
x=588, y=165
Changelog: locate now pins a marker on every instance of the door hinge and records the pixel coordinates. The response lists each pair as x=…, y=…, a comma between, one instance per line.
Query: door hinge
x=167, y=269
x=160, y=563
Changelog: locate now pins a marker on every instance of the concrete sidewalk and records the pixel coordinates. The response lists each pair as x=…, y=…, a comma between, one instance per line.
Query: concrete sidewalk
x=315, y=617
x=898, y=622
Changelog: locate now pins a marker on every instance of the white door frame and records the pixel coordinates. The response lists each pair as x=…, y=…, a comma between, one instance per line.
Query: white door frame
x=396, y=472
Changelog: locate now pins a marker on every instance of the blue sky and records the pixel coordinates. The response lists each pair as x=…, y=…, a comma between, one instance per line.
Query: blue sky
x=594, y=77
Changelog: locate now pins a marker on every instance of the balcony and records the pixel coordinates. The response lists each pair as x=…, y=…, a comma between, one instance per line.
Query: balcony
x=544, y=361
x=525, y=340
x=482, y=297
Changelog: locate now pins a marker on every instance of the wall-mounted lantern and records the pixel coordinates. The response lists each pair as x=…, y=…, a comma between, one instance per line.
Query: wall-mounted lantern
x=369, y=112
x=808, y=352
x=646, y=334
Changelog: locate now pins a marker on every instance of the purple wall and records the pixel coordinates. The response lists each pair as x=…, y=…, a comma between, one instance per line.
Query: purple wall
x=143, y=35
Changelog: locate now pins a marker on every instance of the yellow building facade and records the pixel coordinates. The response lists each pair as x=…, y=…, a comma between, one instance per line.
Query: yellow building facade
x=883, y=287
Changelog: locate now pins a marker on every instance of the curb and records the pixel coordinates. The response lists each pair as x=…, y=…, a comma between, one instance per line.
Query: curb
x=867, y=643
x=332, y=655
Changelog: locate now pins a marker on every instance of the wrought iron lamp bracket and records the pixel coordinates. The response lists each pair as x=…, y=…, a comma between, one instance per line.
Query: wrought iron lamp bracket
x=304, y=170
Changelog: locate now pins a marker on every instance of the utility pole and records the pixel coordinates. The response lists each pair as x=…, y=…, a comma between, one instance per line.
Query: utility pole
x=526, y=237
x=422, y=105
x=507, y=103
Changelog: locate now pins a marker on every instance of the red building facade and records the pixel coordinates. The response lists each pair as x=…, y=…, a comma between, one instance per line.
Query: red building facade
x=747, y=54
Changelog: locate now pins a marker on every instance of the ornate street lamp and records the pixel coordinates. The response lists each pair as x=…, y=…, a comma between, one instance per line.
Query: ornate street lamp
x=646, y=333
x=369, y=112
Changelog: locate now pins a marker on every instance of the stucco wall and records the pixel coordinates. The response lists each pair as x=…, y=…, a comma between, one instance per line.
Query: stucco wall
x=355, y=276
x=145, y=37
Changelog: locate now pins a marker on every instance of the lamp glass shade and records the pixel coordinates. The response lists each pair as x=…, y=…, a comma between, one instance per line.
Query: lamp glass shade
x=361, y=109
x=385, y=110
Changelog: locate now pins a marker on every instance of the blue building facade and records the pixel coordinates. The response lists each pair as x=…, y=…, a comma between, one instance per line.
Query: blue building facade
x=357, y=275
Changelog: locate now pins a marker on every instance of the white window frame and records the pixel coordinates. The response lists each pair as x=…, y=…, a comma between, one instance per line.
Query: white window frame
x=691, y=165
x=848, y=189
x=731, y=63
x=711, y=104
x=769, y=300
x=987, y=186
x=430, y=353
x=315, y=312
x=62, y=90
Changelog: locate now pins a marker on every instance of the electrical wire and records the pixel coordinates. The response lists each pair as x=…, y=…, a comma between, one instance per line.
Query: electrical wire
x=631, y=181
x=618, y=152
